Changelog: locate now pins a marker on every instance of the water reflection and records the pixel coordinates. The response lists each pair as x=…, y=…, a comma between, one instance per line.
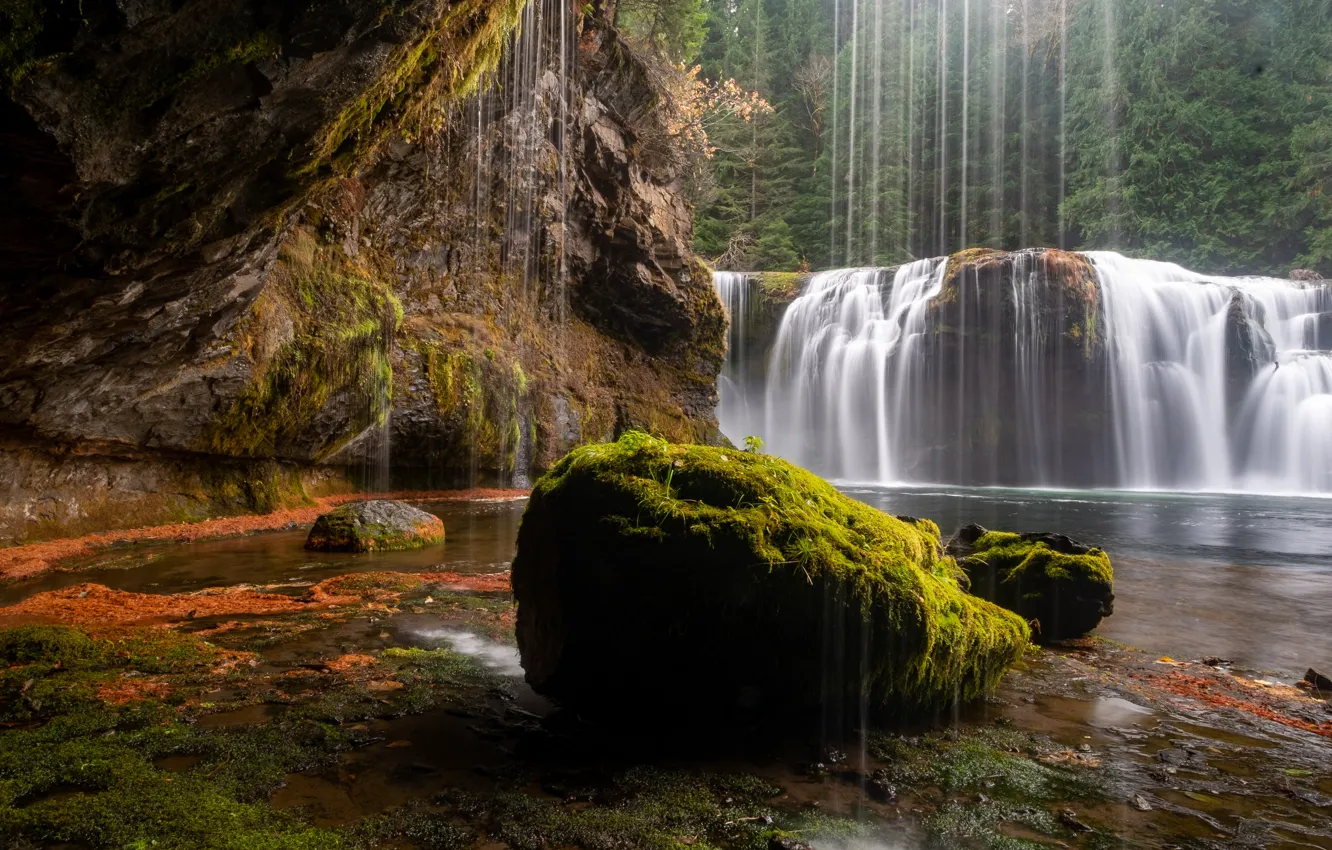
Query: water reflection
x=479, y=537
x=1244, y=577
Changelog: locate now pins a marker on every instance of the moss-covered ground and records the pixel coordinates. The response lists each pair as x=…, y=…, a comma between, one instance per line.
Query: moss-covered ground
x=177, y=734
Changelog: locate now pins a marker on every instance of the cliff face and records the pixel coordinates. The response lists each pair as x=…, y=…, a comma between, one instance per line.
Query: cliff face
x=261, y=251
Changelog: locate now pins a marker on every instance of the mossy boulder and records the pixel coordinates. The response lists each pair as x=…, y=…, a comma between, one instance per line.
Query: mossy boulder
x=376, y=526
x=711, y=582
x=1062, y=587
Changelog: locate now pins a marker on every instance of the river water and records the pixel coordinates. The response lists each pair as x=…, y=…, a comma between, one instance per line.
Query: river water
x=1241, y=576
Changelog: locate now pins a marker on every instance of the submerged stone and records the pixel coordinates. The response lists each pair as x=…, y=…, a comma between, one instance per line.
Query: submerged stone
x=376, y=526
x=1063, y=588
x=713, y=582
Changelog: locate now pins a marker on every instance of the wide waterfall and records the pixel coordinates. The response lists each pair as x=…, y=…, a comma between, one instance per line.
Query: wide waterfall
x=1038, y=369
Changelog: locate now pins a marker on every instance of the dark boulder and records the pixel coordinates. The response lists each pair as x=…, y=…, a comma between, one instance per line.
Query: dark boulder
x=1249, y=348
x=1062, y=587
x=713, y=583
x=378, y=526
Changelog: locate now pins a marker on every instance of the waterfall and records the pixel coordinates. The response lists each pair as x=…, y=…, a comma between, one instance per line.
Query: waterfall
x=521, y=144
x=1040, y=369
x=735, y=405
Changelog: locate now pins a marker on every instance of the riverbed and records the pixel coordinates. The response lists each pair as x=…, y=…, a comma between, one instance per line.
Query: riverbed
x=1194, y=573
x=1092, y=745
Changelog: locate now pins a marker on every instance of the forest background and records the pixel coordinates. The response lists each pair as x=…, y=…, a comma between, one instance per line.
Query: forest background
x=1196, y=131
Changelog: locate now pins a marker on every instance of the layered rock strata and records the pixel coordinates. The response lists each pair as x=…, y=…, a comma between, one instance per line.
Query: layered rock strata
x=251, y=258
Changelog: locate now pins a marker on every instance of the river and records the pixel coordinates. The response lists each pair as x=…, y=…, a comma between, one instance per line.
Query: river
x=1241, y=576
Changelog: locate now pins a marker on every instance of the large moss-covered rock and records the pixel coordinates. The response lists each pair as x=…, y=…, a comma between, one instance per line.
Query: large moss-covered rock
x=713, y=581
x=1062, y=587
x=375, y=526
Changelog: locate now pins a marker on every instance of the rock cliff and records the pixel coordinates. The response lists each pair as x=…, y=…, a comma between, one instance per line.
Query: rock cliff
x=261, y=251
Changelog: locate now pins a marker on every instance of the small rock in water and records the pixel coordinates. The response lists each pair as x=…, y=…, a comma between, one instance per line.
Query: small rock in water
x=1318, y=680
x=1215, y=661
x=374, y=526
x=786, y=842
x=1069, y=818
x=1140, y=803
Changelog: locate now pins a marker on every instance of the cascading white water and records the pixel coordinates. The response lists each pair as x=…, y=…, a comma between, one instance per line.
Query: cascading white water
x=734, y=404
x=1195, y=382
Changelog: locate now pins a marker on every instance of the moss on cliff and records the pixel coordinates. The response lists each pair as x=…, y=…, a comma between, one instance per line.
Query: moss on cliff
x=446, y=63
x=342, y=320
x=679, y=573
x=27, y=30
x=782, y=287
x=480, y=393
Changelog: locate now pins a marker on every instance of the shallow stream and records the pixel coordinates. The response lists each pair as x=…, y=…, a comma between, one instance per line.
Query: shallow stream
x=1191, y=572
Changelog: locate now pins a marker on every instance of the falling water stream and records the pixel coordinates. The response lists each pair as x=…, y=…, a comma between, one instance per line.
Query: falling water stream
x=1199, y=383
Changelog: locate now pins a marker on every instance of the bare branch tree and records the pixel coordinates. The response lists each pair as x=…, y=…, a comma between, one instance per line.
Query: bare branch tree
x=812, y=81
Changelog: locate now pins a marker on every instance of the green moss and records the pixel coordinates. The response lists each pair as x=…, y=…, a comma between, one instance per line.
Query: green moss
x=716, y=571
x=1063, y=588
x=479, y=396
x=651, y=809
x=26, y=27
x=344, y=321
x=87, y=773
x=354, y=528
x=102, y=761
x=446, y=63
x=424, y=828
x=782, y=287
x=982, y=779
x=55, y=670
x=45, y=645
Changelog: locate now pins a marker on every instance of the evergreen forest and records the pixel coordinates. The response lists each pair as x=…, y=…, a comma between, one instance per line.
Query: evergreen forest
x=1198, y=132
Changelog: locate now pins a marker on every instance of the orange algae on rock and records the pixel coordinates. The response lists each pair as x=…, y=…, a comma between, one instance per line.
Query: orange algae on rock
x=484, y=583
x=126, y=690
x=95, y=604
x=350, y=662
x=1237, y=694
